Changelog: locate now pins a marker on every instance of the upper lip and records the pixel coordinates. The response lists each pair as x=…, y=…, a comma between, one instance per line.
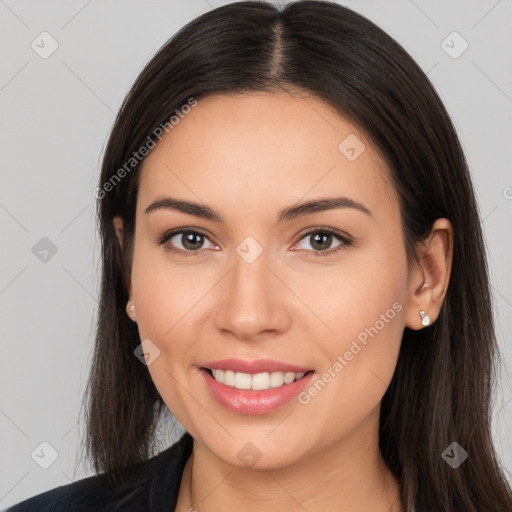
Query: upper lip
x=252, y=367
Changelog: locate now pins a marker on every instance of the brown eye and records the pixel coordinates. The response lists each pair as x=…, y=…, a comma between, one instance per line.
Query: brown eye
x=190, y=240
x=185, y=241
x=320, y=242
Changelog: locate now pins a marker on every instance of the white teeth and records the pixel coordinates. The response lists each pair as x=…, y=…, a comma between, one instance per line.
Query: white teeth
x=257, y=381
x=289, y=377
x=276, y=379
x=229, y=378
x=242, y=381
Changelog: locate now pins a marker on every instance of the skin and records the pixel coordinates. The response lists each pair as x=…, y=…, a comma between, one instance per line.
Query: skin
x=248, y=156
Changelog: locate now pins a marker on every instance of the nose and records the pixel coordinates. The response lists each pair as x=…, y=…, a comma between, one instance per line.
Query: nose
x=252, y=300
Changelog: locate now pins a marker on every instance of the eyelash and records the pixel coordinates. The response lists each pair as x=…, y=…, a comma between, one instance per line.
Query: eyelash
x=346, y=241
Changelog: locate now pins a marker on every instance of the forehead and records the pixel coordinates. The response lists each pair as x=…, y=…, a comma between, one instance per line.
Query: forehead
x=233, y=150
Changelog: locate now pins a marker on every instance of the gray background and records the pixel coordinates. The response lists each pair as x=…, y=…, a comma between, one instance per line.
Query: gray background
x=55, y=117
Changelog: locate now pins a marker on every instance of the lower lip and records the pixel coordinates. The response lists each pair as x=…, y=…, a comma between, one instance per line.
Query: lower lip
x=254, y=402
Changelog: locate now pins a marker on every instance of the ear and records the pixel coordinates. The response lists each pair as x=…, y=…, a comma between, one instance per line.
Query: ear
x=429, y=280
x=118, y=226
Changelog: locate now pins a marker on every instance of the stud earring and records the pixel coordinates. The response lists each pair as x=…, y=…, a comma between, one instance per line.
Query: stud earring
x=425, y=320
x=129, y=308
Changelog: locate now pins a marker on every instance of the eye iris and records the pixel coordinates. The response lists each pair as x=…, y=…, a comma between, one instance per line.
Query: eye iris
x=321, y=238
x=192, y=240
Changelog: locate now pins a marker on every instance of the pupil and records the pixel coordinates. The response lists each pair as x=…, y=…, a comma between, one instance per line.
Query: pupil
x=321, y=238
x=190, y=238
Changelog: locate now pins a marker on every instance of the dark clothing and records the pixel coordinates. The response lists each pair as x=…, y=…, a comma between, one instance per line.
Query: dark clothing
x=150, y=486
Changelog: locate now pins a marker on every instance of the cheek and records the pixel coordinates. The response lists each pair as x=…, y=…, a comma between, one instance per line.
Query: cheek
x=365, y=309
x=365, y=289
x=169, y=301
x=366, y=313
x=165, y=296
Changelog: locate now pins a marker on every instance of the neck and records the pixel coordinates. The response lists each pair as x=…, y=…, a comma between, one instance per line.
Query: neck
x=348, y=475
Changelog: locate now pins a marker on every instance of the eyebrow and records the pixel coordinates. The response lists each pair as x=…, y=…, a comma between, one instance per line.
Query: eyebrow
x=287, y=214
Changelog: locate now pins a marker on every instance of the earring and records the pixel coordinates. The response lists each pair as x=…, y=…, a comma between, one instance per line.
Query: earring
x=425, y=320
x=129, y=308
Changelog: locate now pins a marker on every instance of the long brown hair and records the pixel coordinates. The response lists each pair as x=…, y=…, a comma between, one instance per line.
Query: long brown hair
x=441, y=391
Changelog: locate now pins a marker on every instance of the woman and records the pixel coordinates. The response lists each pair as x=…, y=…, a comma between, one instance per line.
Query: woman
x=293, y=266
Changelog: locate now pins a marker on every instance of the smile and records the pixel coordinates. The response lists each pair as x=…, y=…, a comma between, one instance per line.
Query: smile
x=259, y=393
x=257, y=381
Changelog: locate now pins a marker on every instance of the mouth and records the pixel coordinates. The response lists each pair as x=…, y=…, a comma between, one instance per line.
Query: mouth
x=254, y=393
x=256, y=381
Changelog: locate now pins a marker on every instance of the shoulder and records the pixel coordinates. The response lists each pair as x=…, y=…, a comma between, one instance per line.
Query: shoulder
x=132, y=489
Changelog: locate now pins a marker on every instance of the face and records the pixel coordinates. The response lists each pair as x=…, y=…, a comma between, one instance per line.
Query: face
x=320, y=289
